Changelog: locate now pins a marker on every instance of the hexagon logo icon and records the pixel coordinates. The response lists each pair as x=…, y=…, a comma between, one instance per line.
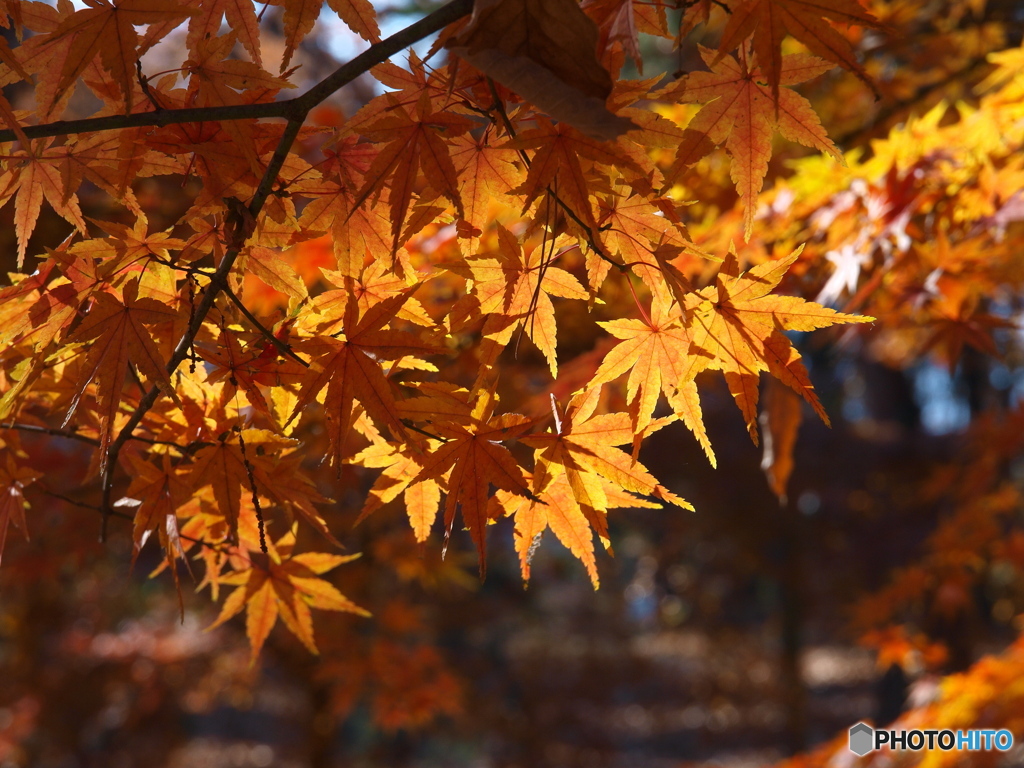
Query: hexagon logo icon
x=862, y=739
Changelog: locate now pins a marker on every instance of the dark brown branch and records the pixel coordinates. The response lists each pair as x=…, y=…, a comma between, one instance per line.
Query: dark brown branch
x=49, y=431
x=296, y=112
x=291, y=109
x=92, y=440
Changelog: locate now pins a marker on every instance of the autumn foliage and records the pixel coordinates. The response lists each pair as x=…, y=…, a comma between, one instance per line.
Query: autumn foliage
x=249, y=318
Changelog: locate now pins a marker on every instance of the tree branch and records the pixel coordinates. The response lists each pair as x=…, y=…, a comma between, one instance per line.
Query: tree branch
x=291, y=109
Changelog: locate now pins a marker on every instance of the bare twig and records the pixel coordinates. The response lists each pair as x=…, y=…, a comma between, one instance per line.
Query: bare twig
x=290, y=109
x=281, y=346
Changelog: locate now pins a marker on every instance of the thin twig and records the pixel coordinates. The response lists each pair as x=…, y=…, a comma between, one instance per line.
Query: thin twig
x=188, y=448
x=49, y=431
x=282, y=347
x=290, y=109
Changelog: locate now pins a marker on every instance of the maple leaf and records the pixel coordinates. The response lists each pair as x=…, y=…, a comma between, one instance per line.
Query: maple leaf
x=13, y=480
x=247, y=369
x=157, y=492
x=582, y=447
x=286, y=586
x=740, y=113
x=737, y=327
x=116, y=335
x=402, y=468
x=556, y=165
x=472, y=450
x=487, y=173
x=780, y=420
x=215, y=79
x=557, y=508
x=769, y=21
x=656, y=351
x=240, y=16
x=301, y=15
x=620, y=21
x=234, y=471
x=412, y=142
x=350, y=370
x=105, y=29
x=356, y=230
x=39, y=178
x=376, y=284
x=515, y=290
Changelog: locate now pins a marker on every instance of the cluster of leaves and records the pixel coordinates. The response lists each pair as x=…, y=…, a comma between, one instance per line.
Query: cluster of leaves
x=140, y=341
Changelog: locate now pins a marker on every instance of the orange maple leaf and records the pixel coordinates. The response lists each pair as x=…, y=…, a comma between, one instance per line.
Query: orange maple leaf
x=583, y=448
x=13, y=480
x=737, y=327
x=769, y=21
x=301, y=15
x=514, y=290
x=38, y=177
x=240, y=16
x=157, y=492
x=116, y=333
x=107, y=30
x=402, y=469
x=741, y=113
x=472, y=450
x=412, y=142
x=597, y=475
x=351, y=371
x=556, y=165
x=557, y=508
x=284, y=585
x=656, y=353
x=263, y=468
